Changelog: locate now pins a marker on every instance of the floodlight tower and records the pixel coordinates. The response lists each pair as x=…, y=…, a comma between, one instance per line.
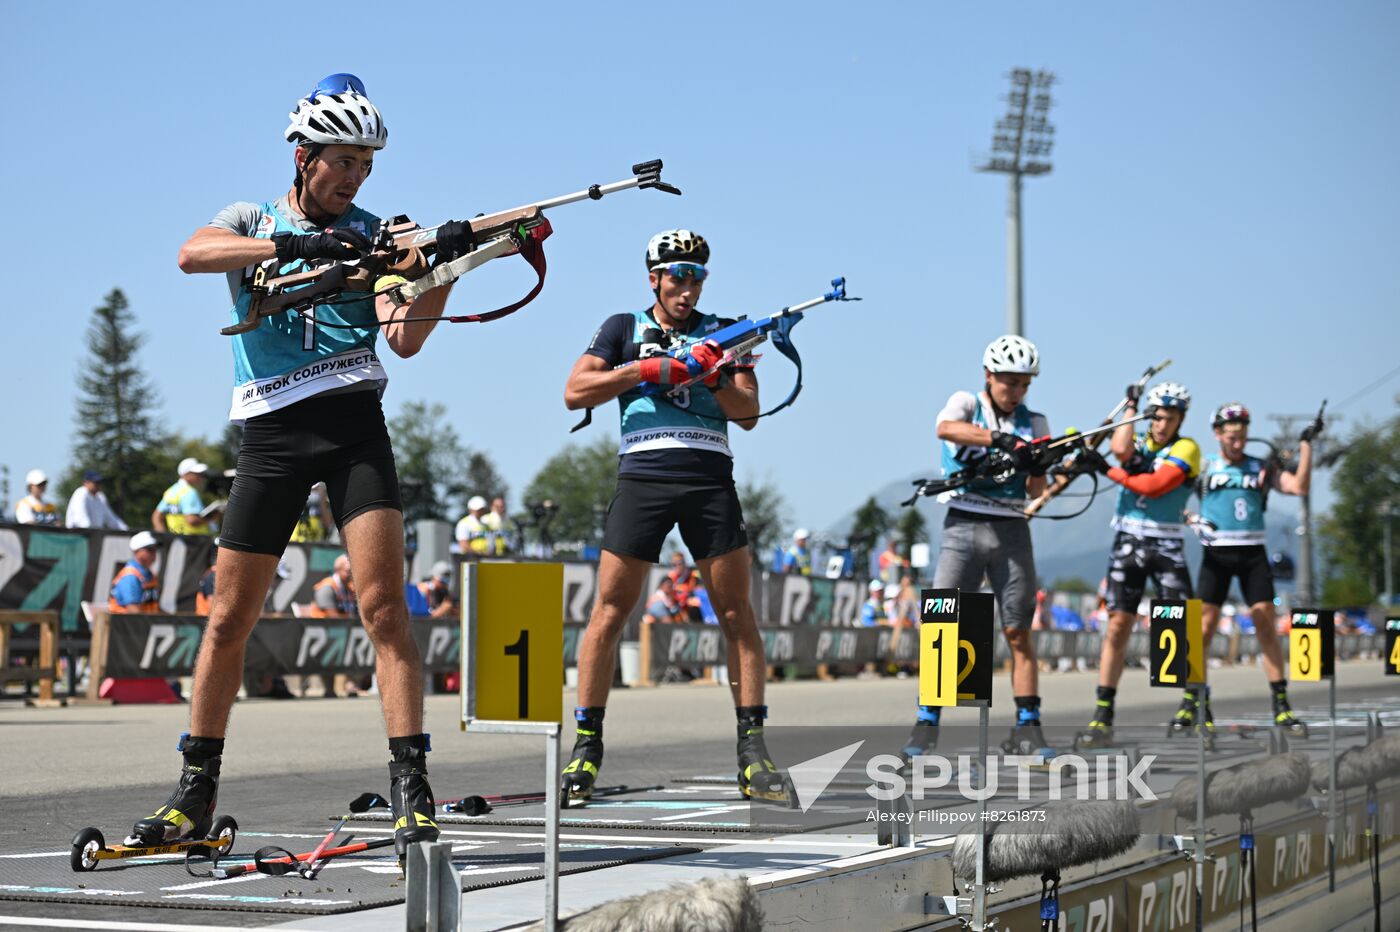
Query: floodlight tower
x=1021, y=146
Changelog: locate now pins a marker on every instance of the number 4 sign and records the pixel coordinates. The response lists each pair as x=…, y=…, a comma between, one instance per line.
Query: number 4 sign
x=1392, y=647
x=512, y=642
x=955, y=648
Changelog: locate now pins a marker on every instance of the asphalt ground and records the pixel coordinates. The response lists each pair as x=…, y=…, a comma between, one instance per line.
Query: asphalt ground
x=294, y=763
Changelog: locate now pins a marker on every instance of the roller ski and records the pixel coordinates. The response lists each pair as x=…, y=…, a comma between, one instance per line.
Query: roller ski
x=759, y=777
x=1286, y=721
x=410, y=796
x=90, y=848
x=1098, y=736
x=581, y=772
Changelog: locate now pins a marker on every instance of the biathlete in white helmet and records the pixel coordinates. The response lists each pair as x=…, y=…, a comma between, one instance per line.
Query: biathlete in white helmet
x=676, y=468
x=308, y=396
x=985, y=532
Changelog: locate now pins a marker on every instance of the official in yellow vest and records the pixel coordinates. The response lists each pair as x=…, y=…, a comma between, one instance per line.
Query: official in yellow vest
x=32, y=509
x=181, y=509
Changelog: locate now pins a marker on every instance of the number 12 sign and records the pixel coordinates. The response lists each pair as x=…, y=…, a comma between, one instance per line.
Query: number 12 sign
x=955, y=648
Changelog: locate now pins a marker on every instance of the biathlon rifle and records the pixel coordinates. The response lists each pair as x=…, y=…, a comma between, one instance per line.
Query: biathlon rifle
x=1060, y=480
x=398, y=264
x=1001, y=467
x=742, y=337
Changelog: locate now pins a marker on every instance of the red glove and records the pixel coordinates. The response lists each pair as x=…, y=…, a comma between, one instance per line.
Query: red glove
x=708, y=355
x=664, y=370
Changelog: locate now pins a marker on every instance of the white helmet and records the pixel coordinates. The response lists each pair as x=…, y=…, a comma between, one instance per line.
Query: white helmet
x=676, y=246
x=35, y=477
x=476, y=503
x=143, y=539
x=800, y=534
x=1012, y=354
x=1167, y=395
x=346, y=118
x=877, y=586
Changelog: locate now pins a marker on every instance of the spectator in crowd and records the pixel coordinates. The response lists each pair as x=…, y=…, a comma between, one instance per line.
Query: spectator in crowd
x=334, y=596
x=474, y=530
x=315, y=523
x=662, y=606
x=89, y=507
x=892, y=565
x=181, y=509
x=33, y=509
x=798, y=558
x=504, y=530
x=416, y=600
x=873, y=613
x=135, y=588
x=686, y=587
x=438, y=591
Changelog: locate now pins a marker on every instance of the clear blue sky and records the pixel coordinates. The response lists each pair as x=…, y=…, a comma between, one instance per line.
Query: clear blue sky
x=1222, y=195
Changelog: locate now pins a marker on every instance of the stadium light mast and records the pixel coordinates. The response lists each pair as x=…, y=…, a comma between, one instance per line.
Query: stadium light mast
x=1021, y=145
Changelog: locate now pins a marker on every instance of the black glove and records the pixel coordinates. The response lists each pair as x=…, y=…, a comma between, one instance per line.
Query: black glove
x=1006, y=442
x=1017, y=450
x=1132, y=393
x=1091, y=460
x=1043, y=457
x=455, y=238
x=339, y=243
x=1138, y=465
x=1311, y=431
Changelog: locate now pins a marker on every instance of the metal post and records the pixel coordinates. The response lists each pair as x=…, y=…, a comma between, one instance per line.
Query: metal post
x=1015, y=317
x=979, y=887
x=1305, y=554
x=1389, y=581
x=1200, y=853
x=551, y=829
x=1332, y=787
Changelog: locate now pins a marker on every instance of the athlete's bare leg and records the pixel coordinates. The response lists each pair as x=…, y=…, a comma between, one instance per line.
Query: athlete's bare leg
x=1115, y=647
x=727, y=582
x=1264, y=629
x=241, y=581
x=1025, y=672
x=620, y=581
x=374, y=543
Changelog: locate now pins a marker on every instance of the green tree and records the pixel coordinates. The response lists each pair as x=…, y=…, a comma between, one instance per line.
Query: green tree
x=580, y=481
x=870, y=524
x=1075, y=584
x=910, y=529
x=436, y=472
x=116, y=417
x=1367, y=484
x=765, y=516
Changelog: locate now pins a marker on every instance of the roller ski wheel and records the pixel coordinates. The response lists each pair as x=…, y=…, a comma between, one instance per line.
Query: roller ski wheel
x=581, y=772
x=86, y=845
x=1097, y=736
x=1028, y=741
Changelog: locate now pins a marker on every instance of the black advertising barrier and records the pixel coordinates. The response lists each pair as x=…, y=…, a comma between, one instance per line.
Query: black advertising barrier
x=689, y=645
x=166, y=645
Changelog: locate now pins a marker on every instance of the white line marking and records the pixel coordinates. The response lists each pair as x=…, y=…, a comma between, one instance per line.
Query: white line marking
x=70, y=923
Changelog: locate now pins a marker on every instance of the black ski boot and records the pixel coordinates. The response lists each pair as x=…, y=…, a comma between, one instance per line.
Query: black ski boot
x=410, y=796
x=1283, y=712
x=189, y=812
x=1026, y=738
x=1183, y=723
x=759, y=777
x=582, y=770
x=1099, y=734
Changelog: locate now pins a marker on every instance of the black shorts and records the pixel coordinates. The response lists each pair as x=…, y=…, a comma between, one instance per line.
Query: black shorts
x=1136, y=559
x=643, y=512
x=1220, y=565
x=338, y=439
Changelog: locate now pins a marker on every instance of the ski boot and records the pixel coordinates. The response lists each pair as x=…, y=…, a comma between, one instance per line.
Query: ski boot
x=410, y=796
x=1026, y=739
x=1098, y=735
x=1284, y=718
x=759, y=777
x=1183, y=723
x=581, y=772
x=189, y=812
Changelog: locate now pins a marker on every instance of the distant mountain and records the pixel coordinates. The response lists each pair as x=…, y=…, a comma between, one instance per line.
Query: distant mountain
x=1078, y=546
